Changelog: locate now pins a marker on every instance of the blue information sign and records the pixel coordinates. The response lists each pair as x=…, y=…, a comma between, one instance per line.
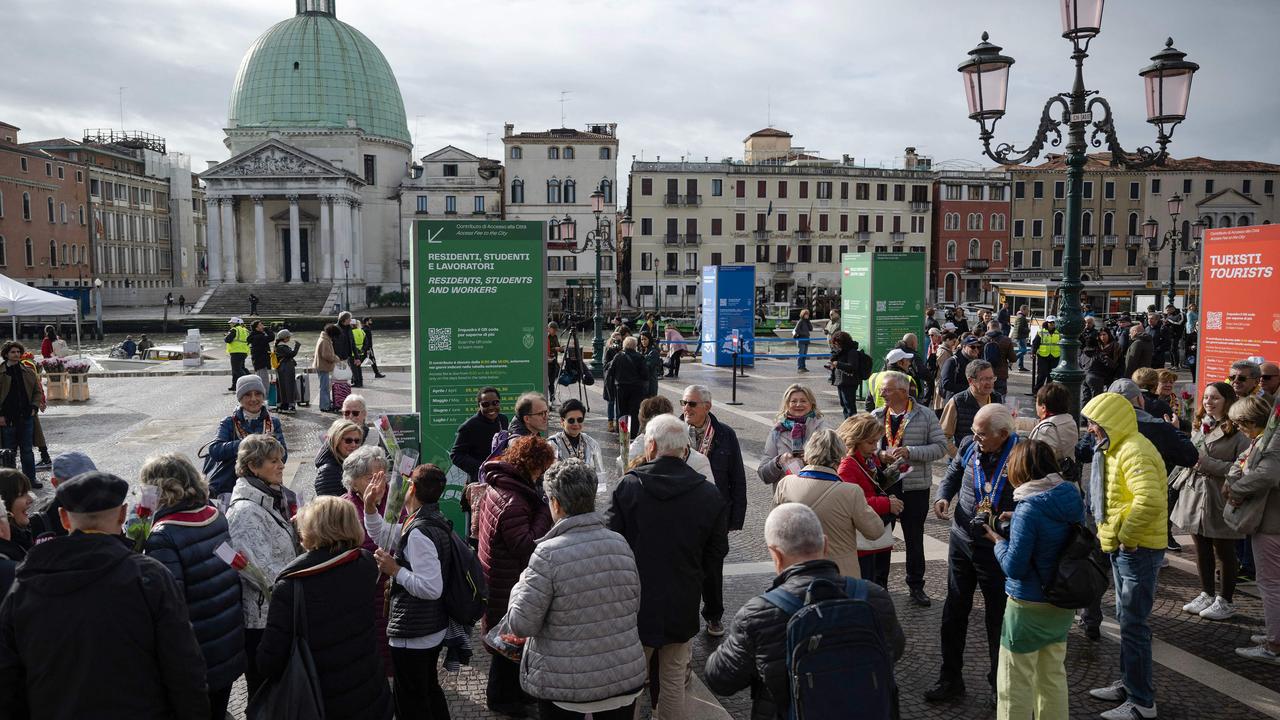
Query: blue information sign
x=728, y=314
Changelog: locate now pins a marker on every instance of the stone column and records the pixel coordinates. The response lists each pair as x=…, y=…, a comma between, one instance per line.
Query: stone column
x=341, y=235
x=326, y=238
x=229, y=249
x=357, y=238
x=213, y=239
x=259, y=239
x=295, y=251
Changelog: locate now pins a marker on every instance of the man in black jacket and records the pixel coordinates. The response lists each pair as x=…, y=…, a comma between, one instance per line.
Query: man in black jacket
x=143, y=661
x=976, y=474
x=677, y=526
x=475, y=436
x=260, y=342
x=628, y=377
x=757, y=640
x=65, y=466
x=367, y=326
x=719, y=443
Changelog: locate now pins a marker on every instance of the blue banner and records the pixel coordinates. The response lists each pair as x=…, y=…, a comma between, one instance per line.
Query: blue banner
x=728, y=314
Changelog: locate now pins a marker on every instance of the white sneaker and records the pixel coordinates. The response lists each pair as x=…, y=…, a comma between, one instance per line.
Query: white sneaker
x=1130, y=711
x=1114, y=692
x=1257, y=639
x=1202, y=601
x=1219, y=610
x=1259, y=652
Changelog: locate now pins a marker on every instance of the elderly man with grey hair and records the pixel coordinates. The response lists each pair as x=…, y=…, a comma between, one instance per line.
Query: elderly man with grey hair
x=355, y=409
x=976, y=482
x=719, y=443
x=677, y=526
x=584, y=643
x=754, y=653
x=627, y=378
x=913, y=440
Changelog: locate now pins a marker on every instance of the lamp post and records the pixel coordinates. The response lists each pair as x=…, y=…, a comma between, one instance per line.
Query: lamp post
x=1173, y=239
x=601, y=239
x=346, y=289
x=1167, y=86
x=97, y=285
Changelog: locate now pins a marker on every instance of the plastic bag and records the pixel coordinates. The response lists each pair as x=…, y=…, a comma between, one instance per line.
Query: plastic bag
x=501, y=641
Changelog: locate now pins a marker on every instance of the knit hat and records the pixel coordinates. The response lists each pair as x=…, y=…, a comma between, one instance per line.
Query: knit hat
x=249, y=383
x=283, y=335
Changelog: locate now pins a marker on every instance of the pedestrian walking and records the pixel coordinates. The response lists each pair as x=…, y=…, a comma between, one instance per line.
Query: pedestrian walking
x=330, y=581
x=861, y=466
x=583, y=652
x=251, y=418
x=323, y=361
x=253, y=304
x=367, y=326
x=287, y=371
x=848, y=365
x=357, y=358
x=474, y=439
x=344, y=347
x=611, y=350
x=168, y=300
x=184, y=534
x=144, y=660
x=1022, y=333
x=21, y=397
x=674, y=350
x=340, y=440
x=798, y=419
x=803, y=330
x=237, y=342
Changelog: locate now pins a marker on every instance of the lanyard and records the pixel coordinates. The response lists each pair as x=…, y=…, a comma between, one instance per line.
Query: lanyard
x=982, y=486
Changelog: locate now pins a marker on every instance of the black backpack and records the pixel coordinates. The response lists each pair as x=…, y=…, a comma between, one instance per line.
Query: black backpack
x=1081, y=576
x=465, y=594
x=865, y=364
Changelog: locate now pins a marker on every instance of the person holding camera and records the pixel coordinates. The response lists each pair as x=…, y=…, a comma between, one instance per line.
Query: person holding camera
x=977, y=485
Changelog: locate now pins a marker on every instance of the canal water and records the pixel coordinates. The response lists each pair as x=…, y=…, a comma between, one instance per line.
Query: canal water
x=390, y=346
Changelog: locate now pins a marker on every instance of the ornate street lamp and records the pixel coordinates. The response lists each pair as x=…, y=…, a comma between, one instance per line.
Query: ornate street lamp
x=1172, y=239
x=1167, y=88
x=346, y=290
x=601, y=240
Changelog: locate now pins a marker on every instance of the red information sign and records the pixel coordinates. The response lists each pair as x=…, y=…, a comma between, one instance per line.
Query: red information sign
x=1240, y=299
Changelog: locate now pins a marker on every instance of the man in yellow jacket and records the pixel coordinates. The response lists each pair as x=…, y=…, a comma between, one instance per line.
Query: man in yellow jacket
x=1128, y=498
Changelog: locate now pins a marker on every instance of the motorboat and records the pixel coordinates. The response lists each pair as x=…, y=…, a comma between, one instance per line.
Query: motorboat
x=150, y=359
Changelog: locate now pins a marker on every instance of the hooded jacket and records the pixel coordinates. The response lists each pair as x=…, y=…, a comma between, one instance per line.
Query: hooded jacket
x=1037, y=535
x=1137, y=498
x=677, y=525
x=512, y=518
x=143, y=660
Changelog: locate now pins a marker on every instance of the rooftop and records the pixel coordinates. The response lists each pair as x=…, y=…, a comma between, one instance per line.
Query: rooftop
x=1099, y=162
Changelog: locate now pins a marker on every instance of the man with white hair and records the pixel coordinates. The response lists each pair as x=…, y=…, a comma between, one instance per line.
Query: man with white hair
x=677, y=525
x=754, y=653
x=356, y=410
x=627, y=377
x=977, y=483
x=719, y=443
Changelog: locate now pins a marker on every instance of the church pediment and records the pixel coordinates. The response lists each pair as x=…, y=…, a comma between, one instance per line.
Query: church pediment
x=450, y=153
x=303, y=216
x=1228, y=199
x=274, y=159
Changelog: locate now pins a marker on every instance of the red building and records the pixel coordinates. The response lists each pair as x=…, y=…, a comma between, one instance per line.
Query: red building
x=970, y=235
x=44, y=230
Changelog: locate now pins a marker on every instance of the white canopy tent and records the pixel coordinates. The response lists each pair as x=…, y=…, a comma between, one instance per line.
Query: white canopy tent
x=21, y=300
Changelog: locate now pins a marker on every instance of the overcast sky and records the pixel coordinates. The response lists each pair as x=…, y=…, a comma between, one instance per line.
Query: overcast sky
x=846, y=76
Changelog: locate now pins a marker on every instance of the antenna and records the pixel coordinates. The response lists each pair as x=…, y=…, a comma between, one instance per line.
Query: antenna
x=122, y=89
x=563, y=100
x=769, y=106
x=486, y=143
x=417, y=127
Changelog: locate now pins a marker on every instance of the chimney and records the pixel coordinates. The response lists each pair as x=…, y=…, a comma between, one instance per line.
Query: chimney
x=910, y=160
x=845, y=159
x=508, y=130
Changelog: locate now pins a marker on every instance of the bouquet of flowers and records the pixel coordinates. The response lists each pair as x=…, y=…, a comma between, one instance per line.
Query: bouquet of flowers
x=77, y=366
x=53, y=364
x=138, y=527
x=398, y=483
x=248, y=570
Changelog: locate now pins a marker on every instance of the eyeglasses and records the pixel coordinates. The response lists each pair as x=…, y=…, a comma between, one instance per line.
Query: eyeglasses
x=573, y=421
x=690, y=403
x=538, y=414
x=1268, y=377
x=351, y=413
x=351, y=441
x=490, y=403
x=1233, y=379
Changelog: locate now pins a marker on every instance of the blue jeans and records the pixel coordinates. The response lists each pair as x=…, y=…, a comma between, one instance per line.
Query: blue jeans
x=19, y=437
x=1022, y=350
x=1134, y=573
x=848, y=401
x=613, y=410
x=804, y=350
x=326, y=399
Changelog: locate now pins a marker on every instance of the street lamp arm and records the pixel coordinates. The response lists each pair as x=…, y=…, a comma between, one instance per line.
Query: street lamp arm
x=1143, y=157
x=1007, y=154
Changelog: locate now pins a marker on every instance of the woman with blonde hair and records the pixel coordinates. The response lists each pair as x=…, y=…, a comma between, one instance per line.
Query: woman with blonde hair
x=185, y=532
x=861, y=466
x=331, y=582
x=341, y=439
x=1253, y=492
x=798, y=420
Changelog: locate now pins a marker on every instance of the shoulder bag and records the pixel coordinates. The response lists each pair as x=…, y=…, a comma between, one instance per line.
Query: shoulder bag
x=295, y=695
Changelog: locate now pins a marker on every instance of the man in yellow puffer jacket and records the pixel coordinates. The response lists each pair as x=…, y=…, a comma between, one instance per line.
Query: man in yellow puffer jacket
x=1129, y=500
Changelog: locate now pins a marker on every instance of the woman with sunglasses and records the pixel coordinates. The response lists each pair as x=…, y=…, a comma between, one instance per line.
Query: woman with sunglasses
x=571, y=442
x=341, y=440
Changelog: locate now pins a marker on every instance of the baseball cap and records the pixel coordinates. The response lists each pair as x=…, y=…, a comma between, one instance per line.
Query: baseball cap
x=897, y=355
x=70, y=464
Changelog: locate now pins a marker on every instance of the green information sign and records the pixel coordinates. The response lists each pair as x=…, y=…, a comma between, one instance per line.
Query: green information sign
x=478, y=314
x=882, y=299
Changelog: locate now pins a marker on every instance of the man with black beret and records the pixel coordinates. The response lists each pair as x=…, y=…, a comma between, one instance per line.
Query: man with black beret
x=93, y=629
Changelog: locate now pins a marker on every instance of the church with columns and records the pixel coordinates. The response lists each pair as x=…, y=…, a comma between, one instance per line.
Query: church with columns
x=319, y=146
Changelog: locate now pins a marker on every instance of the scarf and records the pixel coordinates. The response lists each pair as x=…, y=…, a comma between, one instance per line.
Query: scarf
x=1097, y=482
x=702, y=444
x=273, y=492
x=795, y=427
x=1036, y=487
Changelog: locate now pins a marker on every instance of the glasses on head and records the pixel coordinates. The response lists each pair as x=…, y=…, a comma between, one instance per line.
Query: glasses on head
x=573, y=421
x=351, y=413
x=690, y=403
x=490, y=403
x=351, y=441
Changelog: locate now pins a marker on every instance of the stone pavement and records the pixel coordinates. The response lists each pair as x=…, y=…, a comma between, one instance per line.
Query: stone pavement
x=1196, y=672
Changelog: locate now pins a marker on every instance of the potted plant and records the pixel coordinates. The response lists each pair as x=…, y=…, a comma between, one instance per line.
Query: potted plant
x=77, y=379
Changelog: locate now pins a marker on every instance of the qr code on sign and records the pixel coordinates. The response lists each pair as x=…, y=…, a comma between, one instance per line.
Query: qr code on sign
x=439, y=339
x=1213, y=321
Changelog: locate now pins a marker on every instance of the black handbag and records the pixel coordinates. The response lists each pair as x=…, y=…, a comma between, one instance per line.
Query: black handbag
x=295, y=695
x=587, y=377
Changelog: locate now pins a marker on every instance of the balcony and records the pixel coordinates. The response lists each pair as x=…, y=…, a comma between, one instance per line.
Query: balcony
x=1133, y=241
x=898, y=237
x=693, y=200
x=1110, y=240
x=670, y=239
x=919, y=206
x=862, y=235
x=1059, y=240
x=761, y=236
x=670, y=200
x=691, y=272
x=783, y=268
x=804, y=235
x=976, y=265
x=671, y=272
x=1089, y=240
x=691, y=239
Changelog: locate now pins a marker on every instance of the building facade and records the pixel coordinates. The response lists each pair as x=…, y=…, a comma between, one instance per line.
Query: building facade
x=788, y=212
x=449, y=184
x=44, y=216
x=971, y=215
x=549, y=177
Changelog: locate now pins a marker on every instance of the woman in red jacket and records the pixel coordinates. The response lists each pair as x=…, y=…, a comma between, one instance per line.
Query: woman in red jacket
x=861, y=435
x=513, y=516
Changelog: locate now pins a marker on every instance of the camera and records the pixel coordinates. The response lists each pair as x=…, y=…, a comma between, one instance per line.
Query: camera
x=979, y=523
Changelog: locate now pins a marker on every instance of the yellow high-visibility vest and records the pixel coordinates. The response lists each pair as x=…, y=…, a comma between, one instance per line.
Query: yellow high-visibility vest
x=241, y=343
x=1049, y=344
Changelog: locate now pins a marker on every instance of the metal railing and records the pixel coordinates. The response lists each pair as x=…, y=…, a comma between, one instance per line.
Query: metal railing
x=761, y=235
x=783, y=267
x=671, y=239
x=691, y=238
x=670, y=200
x=804, y=235
x=694, y=200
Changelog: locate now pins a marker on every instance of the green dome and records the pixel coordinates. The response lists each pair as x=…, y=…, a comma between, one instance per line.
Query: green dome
x=314, y=71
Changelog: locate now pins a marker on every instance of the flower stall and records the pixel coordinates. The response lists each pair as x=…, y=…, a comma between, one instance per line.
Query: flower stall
x=77, y=379
x=55, y=376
